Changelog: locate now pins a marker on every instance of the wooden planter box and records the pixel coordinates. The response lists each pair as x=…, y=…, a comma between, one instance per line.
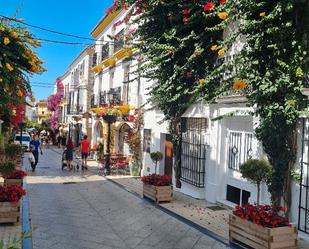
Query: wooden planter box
x=158, y=193
x=249, y=235
x=9, y=213
x=9, y=182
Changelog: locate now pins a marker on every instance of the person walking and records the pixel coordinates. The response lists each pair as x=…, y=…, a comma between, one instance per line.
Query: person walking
x=34, y=147
x=84, y=150
x=63, y=141
x=69, y=153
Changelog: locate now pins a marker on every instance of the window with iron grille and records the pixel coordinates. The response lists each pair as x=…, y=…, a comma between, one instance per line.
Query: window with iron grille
x=193, y=150
x=119, y=41
x=239, y=148
x=105, y=52
x=94, y=59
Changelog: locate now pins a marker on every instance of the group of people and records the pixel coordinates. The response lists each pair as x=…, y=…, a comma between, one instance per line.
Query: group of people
x=84, y=149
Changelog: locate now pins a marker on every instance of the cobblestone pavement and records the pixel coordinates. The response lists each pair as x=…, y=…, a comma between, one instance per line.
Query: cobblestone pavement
x=85, y=211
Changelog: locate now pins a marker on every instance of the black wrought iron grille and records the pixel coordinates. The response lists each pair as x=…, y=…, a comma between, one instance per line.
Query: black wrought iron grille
x=239, y=148
x=303, y=215
x=193, y=151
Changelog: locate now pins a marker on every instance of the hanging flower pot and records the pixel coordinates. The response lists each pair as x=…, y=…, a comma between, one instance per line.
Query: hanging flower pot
x=110, y=118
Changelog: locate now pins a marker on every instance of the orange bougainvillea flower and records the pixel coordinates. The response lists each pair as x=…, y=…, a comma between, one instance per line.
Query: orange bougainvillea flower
x=14, y=34
x=201, y=81
x=6, y=41
x=239, y=85
x=9, y=67
x=221, y=51
x=214, y=47
x=20, y=93
x=223, y=15
x=262, y=14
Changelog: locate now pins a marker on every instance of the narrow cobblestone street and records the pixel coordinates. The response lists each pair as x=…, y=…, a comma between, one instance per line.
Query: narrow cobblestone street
x=85, y=211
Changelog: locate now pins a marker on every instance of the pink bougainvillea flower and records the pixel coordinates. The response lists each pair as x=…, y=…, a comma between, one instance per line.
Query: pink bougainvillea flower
x=186, y=11
x=185, y=20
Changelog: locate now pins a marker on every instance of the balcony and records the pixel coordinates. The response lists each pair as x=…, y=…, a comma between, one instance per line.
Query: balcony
x=75, y=110
x=114, y=96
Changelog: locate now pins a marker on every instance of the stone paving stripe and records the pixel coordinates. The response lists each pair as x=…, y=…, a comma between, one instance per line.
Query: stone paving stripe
x=26, y=226
x=180, y=218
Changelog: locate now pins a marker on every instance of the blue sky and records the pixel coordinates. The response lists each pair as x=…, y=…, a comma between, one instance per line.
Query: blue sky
x=68, y=16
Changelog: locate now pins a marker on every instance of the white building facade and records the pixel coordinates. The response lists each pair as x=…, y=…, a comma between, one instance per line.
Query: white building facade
x=78, y=84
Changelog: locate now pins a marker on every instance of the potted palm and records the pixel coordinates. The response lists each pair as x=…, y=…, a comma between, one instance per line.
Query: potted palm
x=260, y=226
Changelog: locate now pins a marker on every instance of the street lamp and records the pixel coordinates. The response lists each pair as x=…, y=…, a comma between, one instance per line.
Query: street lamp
x=109, y=119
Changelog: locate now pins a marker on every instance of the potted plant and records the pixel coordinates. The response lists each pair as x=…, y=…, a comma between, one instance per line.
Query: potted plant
x=110, y=115
x=7, y=167
x=14, y=178
x=156, y=157
x=157, y=187
x=10, y=203
x=260, y=226
x=256, y=171
x=13, y=152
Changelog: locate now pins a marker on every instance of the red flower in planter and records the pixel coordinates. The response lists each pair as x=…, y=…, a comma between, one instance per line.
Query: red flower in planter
x=11, y=193
x=16, y=174
x=157, y=180
x=264, y=215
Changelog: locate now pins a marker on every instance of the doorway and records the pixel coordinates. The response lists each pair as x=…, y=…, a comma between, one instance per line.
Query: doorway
x=168, y=155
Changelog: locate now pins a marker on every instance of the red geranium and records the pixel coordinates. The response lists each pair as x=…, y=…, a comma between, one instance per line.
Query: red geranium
x=157, y=180
x=263, y=215
x=11, y=193
x=16, y=174
x=209, y=7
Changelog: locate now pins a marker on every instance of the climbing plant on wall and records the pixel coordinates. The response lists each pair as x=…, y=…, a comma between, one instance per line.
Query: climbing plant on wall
x=180, y=42
x=273, y=67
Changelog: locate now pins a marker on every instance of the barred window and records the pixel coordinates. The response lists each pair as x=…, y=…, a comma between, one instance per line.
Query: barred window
x=193, y=151
x=239, y=148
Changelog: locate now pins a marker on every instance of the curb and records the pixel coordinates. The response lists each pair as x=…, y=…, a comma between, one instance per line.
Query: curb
x=26, y=224
x=179, y=217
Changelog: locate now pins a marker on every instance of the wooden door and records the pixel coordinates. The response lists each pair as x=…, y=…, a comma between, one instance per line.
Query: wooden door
x=168, y=163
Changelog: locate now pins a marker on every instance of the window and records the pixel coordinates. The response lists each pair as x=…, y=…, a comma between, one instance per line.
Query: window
x=193, y=151
x=105, y=51
x=119, y=40
x=147, y=140
x=94, y=59
x=234, y=194
x=239, y=148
